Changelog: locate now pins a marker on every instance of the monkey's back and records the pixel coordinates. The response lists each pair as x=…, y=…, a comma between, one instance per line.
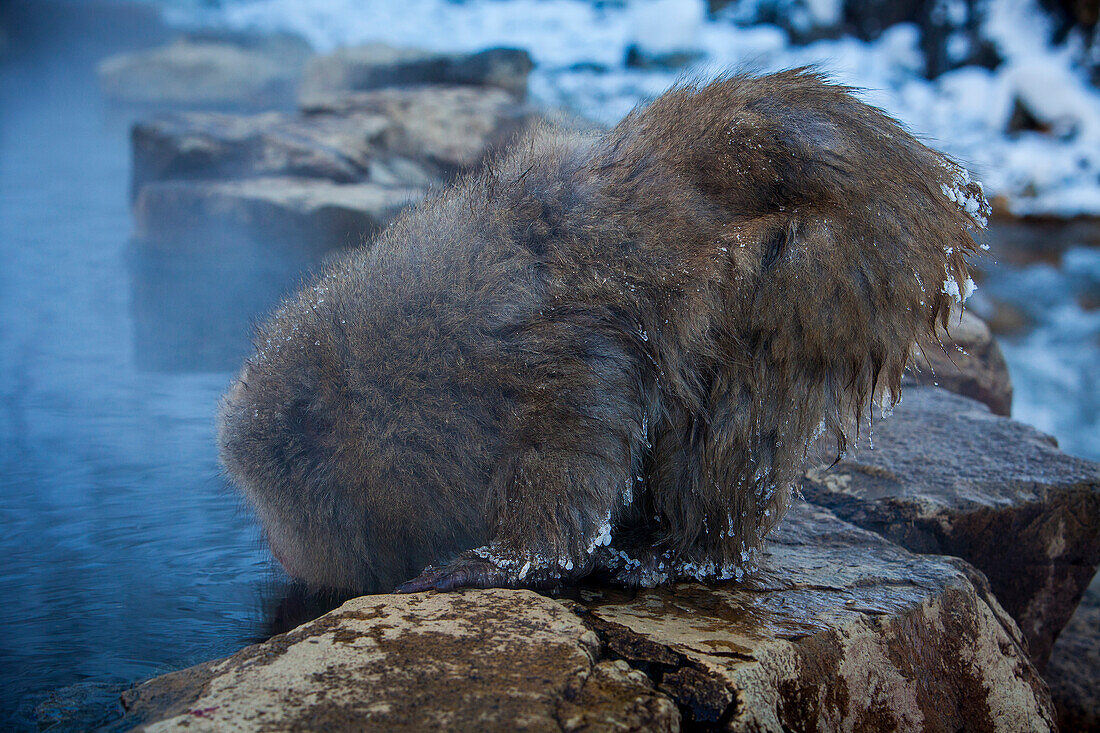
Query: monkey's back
x=622, y=342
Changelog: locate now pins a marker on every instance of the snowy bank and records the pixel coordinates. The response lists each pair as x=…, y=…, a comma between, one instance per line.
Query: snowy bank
x=1048, y=167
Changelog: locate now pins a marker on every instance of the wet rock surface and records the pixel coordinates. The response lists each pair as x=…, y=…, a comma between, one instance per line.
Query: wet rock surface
x=948, y=477
x=965, y=359
x=211, y=145
x=841, y=630
x=376, y=65
x=1074, y=668
x=83, y=706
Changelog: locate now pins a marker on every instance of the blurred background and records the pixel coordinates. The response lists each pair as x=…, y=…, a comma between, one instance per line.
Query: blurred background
x=170, y=168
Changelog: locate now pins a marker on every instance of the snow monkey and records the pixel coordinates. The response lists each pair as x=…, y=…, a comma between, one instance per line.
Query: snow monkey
x=604, y=352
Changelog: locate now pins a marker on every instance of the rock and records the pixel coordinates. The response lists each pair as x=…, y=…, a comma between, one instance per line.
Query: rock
x=289, y=48
x=1074, y=668
x=227, y=251
x=1023, y=241
x=966, y=361
x=83, y=706
x=311, y=215
x=947, y=477
x=212, y=146
x=841, y=630
x=201, y=74
x=1006, y=318
x=450, y=127
x=635, y=58
x=503, y=68
x=376, y=65
x=229, y=210
x=329, y=178
x=392, y=137
x=490, y=660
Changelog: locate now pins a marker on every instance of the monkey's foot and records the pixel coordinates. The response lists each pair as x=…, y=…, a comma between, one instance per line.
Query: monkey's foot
x=480, y=569
x=465, y=571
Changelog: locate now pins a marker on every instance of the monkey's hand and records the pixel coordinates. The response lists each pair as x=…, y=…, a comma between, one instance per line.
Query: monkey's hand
x=465, y=571
x=480, y=569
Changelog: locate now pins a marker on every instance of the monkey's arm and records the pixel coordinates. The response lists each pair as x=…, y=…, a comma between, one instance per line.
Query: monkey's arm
x=550, y=508
x=574, y=446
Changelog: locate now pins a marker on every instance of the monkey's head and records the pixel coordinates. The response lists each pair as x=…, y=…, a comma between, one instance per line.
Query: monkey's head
x=278, y=440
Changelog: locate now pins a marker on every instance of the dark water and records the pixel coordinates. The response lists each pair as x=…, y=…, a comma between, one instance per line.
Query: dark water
x=123, y=554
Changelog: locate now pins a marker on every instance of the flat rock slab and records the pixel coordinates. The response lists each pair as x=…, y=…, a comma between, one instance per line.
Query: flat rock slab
x=314, y=216
x=375, y=65
x=451, y=127
x=211, y=145
x=948, y=477
x=841, y=631
x=481, y=660
x=965, y=359
x=410, y=137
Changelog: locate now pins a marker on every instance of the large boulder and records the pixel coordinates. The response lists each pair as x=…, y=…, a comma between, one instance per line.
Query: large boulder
x=840, y=630
x=204, y=73
x=451, y=127
x=326, y=178
x=946, y=476
x=964, y=359
x=1074, y=668
x=377, y=65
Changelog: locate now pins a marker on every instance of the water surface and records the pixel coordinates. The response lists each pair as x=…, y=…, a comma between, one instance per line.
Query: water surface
x=123, y=553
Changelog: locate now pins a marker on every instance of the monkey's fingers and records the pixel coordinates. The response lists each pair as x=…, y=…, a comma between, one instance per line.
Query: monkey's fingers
x=461, y=573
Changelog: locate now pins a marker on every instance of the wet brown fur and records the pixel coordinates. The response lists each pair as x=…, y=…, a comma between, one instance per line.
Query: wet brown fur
x=648, y=325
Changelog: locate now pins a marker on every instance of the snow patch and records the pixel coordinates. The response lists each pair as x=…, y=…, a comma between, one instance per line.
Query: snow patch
x=951, y=287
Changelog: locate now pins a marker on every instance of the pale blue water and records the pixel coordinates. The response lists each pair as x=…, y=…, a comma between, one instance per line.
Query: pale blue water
x=122, y=552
